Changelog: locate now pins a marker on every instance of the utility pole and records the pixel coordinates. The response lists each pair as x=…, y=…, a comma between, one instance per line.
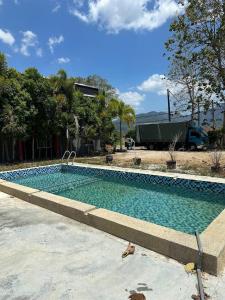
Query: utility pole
x=213, y=115
x=198, y=113
x=168, y=99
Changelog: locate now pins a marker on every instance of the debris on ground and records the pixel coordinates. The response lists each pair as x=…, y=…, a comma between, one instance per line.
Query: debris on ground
x=190, y=267
x=137, y=296
x=130, y=250
x=197, y=297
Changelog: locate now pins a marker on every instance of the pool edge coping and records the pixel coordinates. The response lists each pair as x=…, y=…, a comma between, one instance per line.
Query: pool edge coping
x=169, y=242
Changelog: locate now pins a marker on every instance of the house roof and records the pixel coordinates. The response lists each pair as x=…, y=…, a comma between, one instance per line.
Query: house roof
x=87, y=90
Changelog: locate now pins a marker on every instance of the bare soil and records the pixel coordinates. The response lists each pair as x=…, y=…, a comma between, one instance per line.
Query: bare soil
x=198, y=163
x=160, y=157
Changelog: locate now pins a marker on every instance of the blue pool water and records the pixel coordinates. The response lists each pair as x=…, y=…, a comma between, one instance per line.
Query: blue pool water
x=170, y=206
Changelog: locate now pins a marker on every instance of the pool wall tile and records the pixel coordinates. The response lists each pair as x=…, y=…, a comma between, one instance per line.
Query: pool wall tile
x=11, y=175
x=123, y=175
x=196, y=185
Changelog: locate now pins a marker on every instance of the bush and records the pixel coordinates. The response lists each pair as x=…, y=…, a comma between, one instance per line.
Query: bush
x=215, y=136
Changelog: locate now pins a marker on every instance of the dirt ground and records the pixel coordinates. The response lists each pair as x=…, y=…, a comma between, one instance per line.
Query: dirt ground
x=196, y=162
x=160, y=157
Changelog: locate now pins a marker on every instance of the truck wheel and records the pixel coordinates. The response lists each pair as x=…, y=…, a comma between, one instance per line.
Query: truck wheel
x=192, y=147
x=150, y=147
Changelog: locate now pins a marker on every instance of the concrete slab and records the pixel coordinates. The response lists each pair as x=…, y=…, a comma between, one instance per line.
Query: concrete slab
x=44, y=255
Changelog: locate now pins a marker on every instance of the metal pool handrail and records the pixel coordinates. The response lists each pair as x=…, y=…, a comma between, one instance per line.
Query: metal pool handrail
x=63, y=157
x=72, y=153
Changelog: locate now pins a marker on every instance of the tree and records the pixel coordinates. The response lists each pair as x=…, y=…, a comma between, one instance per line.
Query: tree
x=13, y=113
x=35, y=109
x=40, y=93
x=64, y=93
x=3, y=65
x=183, y=75
x=124, y=112
x=201, y=30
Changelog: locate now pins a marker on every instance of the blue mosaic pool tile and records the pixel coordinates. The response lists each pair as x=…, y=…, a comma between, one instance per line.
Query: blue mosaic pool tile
x=30, y=172
x=196, y=185
x=202, y=186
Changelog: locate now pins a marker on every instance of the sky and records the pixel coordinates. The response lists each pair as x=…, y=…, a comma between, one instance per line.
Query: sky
x=119, y=40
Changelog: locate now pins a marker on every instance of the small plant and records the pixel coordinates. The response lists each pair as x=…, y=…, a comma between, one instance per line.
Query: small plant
x=171, y=164
x=109, y=149
x=109, y=156
x=137, y=161
x=216, y=157
x=172, y=147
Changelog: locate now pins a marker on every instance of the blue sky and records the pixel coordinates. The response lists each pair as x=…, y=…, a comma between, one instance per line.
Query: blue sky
x=120, y=40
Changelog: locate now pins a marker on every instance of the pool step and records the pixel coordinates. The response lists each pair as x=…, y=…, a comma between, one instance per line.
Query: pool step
x=71, y=185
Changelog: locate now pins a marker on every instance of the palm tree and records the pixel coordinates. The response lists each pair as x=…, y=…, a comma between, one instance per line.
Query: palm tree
x=124, y=112
x=63, y=90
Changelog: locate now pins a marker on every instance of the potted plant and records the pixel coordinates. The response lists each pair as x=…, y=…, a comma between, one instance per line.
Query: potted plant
x=137, y=161
x=109, y=156
x=172, y=164
x=216, y=157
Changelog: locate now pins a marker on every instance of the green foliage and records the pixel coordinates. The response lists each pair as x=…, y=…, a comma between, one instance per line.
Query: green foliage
x=124, y=112
x=35, y=108
x=131, y=133
x=3, y=65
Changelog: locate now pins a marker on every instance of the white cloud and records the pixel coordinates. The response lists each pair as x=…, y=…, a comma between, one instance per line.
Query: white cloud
x=63, y=60
x=132, y=98
x=56, y=8
x=117, y=15
x=53, y=41
x=156, y=83
x=39, y=52
x=29, y=40
x=6, y=37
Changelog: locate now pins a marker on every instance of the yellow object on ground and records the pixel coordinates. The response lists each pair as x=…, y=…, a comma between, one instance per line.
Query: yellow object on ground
x=190, y=267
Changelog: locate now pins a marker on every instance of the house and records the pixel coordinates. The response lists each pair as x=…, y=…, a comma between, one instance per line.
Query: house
x=87, y=90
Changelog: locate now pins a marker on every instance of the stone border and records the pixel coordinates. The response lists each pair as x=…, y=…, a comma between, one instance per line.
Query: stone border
x=177, y=245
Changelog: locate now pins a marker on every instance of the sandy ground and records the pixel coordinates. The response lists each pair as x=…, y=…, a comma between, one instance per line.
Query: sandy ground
x=160, y=157
x=195, y=163
x=44, y=255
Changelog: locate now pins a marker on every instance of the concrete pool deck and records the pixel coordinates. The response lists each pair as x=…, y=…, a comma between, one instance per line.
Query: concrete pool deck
x=44, y=255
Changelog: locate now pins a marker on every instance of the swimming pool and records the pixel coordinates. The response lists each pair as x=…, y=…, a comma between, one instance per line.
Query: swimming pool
x=176, y=203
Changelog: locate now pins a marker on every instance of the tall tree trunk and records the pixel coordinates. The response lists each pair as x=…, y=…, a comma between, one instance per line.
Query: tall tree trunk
x=6, y=150
x=20, y=145
x=121, y=135
x=33, y=140
x=3, y=151
x=13, y=148
x=46, y=149
x=56, y=146
x=224, y=126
